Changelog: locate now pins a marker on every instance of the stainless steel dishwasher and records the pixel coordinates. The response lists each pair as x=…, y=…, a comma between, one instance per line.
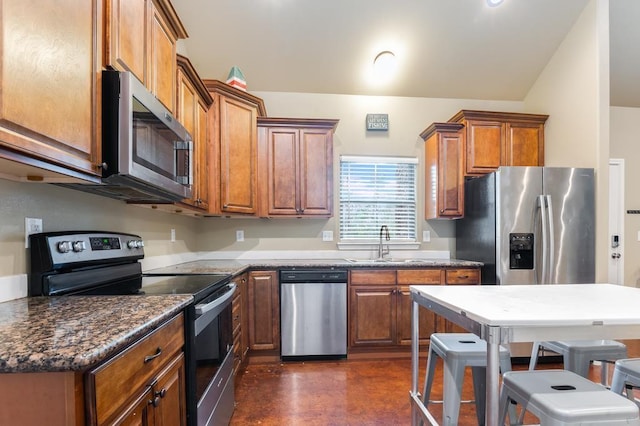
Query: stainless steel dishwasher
x=313, y=306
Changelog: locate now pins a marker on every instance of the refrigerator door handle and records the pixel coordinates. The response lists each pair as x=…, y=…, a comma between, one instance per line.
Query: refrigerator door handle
x=552, y=238
x=543, y=220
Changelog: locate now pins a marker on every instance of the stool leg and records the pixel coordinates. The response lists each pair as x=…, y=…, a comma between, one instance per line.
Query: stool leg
x=452, y=389
x=428, y=380
x=479, y=391
x=505, y=366
x=534, y=355
x=505, y=402
x=577, y=364
x=618, y=384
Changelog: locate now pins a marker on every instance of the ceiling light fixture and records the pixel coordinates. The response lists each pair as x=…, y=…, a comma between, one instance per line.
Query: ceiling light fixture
x=494, y=3
x=384, y=65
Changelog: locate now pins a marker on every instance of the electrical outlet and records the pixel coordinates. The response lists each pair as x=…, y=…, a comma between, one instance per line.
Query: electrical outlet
x=426, y=236
x=31, y=226
x=173, y=235
x=240, y=235
x=327, y=235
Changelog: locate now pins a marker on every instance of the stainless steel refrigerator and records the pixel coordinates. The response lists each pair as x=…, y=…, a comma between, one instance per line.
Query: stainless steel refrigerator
x=530, y=225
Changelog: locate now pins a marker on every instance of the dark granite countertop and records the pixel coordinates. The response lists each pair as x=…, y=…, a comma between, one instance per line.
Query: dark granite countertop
x=235, y=267
x=75, y=332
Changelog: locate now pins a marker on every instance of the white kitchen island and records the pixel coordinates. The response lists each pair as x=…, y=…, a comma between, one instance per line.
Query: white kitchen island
x=524, y=313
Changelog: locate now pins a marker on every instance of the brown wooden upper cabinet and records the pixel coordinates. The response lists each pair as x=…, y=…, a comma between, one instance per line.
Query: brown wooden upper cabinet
x=444, y=162
x=141, y=37
x=49, y=99
x=494, y=139
x=295, y=167
x=193, y=103
x=233, y=152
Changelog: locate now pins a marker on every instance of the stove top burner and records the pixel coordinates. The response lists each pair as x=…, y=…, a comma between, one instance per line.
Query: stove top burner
x=199, y=286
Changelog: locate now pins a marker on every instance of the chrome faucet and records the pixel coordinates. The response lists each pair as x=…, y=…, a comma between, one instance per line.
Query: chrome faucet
x=384, y=230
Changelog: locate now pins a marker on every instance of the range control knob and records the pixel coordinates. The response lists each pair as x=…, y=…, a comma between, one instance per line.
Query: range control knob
x=63, y=246
x=78, y=246
x=134, y=244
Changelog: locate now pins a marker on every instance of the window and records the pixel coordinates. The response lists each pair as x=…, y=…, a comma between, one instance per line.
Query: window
x=376, y=191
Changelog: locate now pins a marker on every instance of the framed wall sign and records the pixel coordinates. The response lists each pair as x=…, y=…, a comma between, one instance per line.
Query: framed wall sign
x=378, y=122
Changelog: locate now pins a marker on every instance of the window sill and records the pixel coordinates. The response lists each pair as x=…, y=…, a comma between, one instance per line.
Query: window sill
x=374, y=246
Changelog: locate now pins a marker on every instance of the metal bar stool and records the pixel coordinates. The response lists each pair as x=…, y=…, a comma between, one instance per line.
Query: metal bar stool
x=578, y=354
x=626, y=375
x=561, y=397
x=460, y=350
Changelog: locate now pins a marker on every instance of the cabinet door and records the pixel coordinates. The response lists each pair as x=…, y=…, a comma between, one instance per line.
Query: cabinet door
x=192, y=113
x=242, y=283
x=140, y=413
x=483, y=139
x=162, y=60
x=444, y=197
x=426, y=324
x=127, y=36
x=372, y=315
x=283, y=171
x=524, y=144
x=315, y=180
x=264, y=310
x=201, y=156
x=169, y=395
x=49, y=96
x=238, y=156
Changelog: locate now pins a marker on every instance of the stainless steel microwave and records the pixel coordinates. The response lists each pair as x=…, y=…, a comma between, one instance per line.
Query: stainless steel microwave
x=143, y=145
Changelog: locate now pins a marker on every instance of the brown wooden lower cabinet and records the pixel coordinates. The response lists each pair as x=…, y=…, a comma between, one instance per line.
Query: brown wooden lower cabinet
x=380, y=305
x=264, y=310
x=240, y=315
x=123, y=390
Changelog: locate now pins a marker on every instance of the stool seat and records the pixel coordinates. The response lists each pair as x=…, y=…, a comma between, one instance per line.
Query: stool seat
x=578, y=354
x=626, y=371
x=460, y=350
x=561, y=397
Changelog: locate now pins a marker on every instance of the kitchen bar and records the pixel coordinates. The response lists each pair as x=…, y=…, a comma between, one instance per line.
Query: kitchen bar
x=525, y=313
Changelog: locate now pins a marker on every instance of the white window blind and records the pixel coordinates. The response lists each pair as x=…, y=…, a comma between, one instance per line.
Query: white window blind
x=376, y=191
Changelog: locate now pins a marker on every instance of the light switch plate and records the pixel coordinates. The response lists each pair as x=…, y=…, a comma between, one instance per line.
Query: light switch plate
x=173, y=235
x=327, y=235
x=426, y=236
x=239, y=235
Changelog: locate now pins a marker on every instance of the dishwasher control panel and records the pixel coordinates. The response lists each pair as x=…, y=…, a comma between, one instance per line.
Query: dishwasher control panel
x=314, y=276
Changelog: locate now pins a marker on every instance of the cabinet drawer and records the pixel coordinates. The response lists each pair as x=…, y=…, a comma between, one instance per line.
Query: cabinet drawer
x=373, y=276
x=235, y=315
x=462, y=276
x=132, y=370
x=418, y=276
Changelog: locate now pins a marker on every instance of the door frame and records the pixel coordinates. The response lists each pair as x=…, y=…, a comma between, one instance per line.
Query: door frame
x=616, y=220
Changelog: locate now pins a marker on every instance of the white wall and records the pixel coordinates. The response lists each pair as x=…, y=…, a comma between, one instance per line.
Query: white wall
x=574, y=90
x=625, y=143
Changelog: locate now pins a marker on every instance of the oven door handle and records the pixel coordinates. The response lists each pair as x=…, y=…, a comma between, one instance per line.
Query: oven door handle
x=206, y=307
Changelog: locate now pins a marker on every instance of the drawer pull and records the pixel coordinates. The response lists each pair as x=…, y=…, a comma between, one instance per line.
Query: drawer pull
x=463, y=277
x=154, y=356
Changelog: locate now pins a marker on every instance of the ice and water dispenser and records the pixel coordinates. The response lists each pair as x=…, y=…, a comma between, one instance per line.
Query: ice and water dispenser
x=521, y=249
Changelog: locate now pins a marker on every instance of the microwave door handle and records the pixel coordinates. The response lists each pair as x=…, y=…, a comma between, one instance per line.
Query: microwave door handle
x=183, y=152
x=206, y=307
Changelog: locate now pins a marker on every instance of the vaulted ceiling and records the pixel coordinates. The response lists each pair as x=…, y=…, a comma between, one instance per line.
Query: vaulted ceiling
x=445, y=48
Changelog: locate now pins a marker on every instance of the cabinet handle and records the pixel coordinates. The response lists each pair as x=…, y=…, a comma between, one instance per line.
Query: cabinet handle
x=161, y=393
x=154, y=356
x=464, y=277
x=155, y=401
